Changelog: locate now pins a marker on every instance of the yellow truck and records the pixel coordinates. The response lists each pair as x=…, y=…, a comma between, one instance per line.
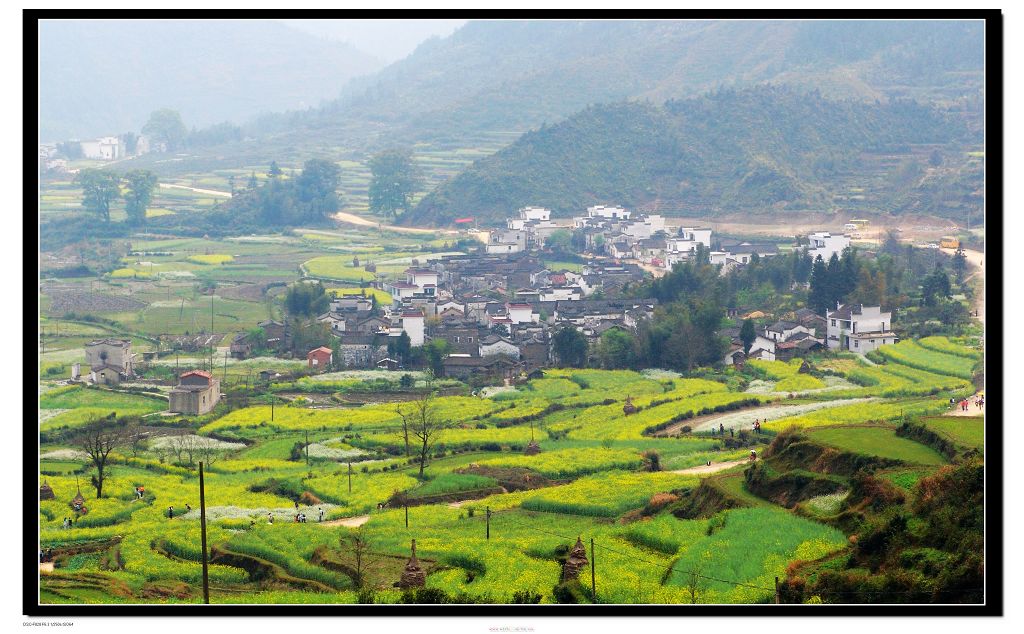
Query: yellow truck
x=949, y=242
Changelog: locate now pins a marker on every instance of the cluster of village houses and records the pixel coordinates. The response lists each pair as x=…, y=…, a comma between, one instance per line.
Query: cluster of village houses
x=454, y=298
x=105, y=148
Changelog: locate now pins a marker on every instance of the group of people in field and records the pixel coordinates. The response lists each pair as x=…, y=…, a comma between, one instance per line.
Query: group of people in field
x=756, y=427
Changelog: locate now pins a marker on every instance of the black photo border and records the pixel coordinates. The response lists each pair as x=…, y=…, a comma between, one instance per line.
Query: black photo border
x=994, y=449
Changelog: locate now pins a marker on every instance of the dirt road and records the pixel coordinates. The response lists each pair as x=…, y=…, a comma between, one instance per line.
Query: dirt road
x=350, y=522
x=711, y=468
x=353, y=219
x=208, y=192
x=972, y=409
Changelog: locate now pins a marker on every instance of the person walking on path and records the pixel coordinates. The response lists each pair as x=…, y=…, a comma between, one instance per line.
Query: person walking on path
x=188, y=507
x=321, y=514
x=170, y=512
x=270, y=518
x=721, y=429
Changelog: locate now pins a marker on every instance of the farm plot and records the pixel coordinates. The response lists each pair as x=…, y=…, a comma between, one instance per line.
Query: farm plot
x=752, y=546
x=79, y=405
x=862, y=412
x=966, y=431
x=567, y=463
x=913, y=354
x=876, y=441
x=745, y=419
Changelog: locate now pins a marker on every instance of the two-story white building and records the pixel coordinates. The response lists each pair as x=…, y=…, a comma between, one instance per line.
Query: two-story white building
x=506, y=241
x=859, y=328
x=826, y=244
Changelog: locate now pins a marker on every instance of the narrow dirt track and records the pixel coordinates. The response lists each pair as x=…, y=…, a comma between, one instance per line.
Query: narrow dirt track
x=711, y=468
x=209, y=192
x=353, y=219
x=350, y=522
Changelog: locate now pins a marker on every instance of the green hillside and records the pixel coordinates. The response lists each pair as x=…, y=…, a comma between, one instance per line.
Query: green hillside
x=764, y=149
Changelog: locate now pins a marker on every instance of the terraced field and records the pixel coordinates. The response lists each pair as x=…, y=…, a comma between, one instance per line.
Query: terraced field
x=600, y=474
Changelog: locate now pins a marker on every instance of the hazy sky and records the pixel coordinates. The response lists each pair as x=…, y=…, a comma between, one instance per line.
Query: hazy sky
x=388, y=40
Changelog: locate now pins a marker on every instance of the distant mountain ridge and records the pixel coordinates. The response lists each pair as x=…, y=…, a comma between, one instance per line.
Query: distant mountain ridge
x=106, y=76
x=516, y=75
x=763, y=149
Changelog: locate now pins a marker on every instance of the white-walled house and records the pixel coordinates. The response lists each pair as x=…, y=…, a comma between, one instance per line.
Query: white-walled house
x=493, y=345
x=783, y=330
x=859, y=328
x=107, y=148
x=412, y=324
x=506, y=241
x=520, y=313
x=610, y=212
x=825, y=244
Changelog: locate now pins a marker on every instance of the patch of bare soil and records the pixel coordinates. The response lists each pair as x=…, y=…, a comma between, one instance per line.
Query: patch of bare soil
x=711, y=468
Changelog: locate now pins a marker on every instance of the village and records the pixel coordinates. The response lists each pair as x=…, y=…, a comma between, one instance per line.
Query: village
x=499, y=308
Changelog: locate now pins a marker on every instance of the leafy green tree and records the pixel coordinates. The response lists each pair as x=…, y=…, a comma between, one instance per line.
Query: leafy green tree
x=560, y=241
x=616, y=349
x=100, y=188
x=747, y=334
x=140, y=186
x=316, y=188
x=306, y=300
x=935, y=286
x=820, y=297
x=70, y=150
x=959, y=264
x=570, y=347
x=274, y=171
x=401, y=349
x=435, y=351
x=394, y=180
x=131, y=142
x=165, y=126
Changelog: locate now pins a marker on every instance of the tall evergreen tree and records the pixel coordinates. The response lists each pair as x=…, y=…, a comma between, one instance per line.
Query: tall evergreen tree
x=820, y=297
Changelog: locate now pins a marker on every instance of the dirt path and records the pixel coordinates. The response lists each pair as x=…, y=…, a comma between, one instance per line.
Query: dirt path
x=353, y=219
x=350, y=522
x=972, y=409
x=711, y=468
x=208, y=192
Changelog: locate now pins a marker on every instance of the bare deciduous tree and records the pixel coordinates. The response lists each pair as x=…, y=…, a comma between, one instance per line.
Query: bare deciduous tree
x=696, y=582
x=185, y=446
x=98, y=439
x=358, y=543
x=425, y=426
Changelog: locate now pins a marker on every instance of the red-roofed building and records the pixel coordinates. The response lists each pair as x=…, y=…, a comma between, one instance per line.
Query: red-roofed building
x=196, y=394
x=320, y=359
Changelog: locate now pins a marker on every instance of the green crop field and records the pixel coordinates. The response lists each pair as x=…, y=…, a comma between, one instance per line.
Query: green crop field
x=966, y=431
x=876, y=441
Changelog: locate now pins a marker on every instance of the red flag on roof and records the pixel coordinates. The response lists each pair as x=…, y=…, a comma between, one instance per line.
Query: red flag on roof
x=464, y=220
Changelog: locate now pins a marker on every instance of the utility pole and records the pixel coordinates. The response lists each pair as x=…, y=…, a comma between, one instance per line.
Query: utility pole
x=225, y=366
x=350, y=477
x=593, y=576
x=777, y=591
x=406, y=502
x=202, y=525
x=272, y=399
x=307, y=450
x=487, y=513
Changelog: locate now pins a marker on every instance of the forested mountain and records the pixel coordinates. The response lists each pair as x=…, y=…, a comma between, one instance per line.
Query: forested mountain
x=106, y=76
x=763, y=149
x=515, y=75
